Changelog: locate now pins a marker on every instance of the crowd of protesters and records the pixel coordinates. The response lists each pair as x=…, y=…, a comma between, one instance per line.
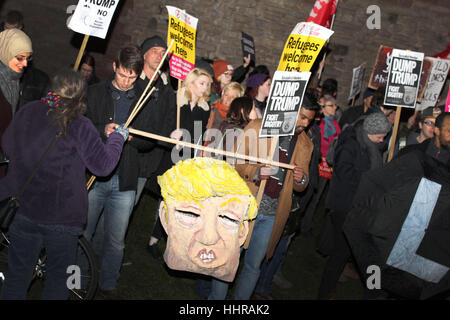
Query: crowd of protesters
x=332, y=150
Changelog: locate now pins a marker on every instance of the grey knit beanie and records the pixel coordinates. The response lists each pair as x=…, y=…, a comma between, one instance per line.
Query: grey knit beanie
x=376, y=123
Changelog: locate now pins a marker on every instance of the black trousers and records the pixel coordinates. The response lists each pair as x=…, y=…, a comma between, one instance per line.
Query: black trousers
x=337, y=259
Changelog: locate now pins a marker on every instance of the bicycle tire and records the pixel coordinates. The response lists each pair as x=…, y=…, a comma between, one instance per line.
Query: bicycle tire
x=89, y=274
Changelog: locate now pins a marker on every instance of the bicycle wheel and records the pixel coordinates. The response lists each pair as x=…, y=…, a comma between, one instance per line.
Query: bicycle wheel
x=87, y=262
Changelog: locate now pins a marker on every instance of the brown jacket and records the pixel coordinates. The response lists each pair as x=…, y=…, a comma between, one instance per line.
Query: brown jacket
x=249, y=144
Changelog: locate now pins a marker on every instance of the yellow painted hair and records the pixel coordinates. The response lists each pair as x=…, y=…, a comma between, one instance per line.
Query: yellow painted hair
x=199, y=178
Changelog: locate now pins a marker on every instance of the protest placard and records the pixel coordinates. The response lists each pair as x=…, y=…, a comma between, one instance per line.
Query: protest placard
x=303, y=46
x=248, y=47
x=380, y=69
x=283, y=103
x=182, y=29
x=93, y=17
x=379, y=75
x=436, y=80
x=357, y=80
x=403, y=79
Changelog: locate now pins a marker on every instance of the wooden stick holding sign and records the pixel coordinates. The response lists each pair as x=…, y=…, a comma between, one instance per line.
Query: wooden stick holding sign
x=402, y=86
x=81, y=52
x=394, y=133
x=178, y=104
x=260, y=194
x=211, y=150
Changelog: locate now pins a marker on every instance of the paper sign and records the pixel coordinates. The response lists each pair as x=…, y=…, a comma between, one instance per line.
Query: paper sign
x=92, y=17
x=325, y=170
x=435, y=83
x=283, y=103
x=404, y=78
x=182, y=29
x=248, y=47
x=380, y=71
x=357, y=80
x=303, y=46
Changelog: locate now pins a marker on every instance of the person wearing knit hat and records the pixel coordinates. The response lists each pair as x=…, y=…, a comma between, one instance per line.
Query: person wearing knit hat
x=357, y=151
x=153, y=50
x=162, y=105
x=376, y=125
x=15, y=50
x=223, y=71
x=258, y=88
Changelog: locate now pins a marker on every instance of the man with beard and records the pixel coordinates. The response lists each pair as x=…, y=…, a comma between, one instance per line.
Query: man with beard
x=276, y=202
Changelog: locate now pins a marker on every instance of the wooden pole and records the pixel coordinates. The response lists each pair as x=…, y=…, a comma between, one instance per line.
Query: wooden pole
x=394, y=133
x=178, y=105
x=212, y=150
x=260, y=194
x=81, y=52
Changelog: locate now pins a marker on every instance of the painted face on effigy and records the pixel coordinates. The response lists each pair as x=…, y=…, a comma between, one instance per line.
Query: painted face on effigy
x=205, y=228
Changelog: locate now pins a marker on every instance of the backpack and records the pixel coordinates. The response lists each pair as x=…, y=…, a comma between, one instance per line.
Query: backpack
x=329, y=157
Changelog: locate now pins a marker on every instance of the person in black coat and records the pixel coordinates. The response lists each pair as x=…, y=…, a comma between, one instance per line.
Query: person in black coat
x=110, y=103
x=413, y=259
x=356, y=152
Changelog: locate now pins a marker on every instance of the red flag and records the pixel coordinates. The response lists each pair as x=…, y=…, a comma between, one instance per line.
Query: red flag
x=322, y=12
x=444, y=54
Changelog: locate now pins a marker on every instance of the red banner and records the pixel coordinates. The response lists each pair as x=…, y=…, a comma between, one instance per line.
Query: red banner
x=322, y=12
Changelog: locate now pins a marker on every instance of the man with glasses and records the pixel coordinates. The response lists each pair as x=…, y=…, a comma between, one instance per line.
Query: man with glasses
x=426, y=126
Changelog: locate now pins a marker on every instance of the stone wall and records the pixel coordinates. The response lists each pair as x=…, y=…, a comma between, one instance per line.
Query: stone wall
x=419, y=25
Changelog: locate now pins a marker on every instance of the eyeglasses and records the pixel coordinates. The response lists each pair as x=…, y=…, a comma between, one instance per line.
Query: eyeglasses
x=429, y=123
x=22, y=58
x=228, y=74
x=330, y=105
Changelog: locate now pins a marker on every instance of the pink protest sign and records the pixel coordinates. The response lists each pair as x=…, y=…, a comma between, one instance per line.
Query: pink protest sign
x=182, y=30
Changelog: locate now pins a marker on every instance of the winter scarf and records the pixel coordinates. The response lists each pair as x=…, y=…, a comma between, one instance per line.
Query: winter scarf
x=9, y=84
x=329, y=129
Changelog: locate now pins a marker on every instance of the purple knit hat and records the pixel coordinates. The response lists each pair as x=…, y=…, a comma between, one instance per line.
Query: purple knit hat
x=256, y=80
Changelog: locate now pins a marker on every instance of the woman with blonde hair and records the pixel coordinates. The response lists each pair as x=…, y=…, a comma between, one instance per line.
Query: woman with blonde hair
x=54, y=205
x=193, y=100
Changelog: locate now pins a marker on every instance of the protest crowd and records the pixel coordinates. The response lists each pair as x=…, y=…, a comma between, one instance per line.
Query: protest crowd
x=373, y=169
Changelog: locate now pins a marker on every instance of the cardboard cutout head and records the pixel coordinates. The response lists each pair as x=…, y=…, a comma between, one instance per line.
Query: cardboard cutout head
x=204, y=213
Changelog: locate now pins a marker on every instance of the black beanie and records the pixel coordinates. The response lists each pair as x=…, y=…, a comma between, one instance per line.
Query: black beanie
x=155, y=41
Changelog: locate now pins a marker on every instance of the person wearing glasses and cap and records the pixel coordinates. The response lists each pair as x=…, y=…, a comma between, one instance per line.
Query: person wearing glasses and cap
x=426, y=127
x=15, y=52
